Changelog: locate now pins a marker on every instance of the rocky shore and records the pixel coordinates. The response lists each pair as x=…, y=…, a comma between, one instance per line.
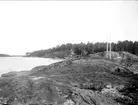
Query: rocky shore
x=76, y=81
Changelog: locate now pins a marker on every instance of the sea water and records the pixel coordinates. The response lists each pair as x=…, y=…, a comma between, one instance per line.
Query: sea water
x=8, y=64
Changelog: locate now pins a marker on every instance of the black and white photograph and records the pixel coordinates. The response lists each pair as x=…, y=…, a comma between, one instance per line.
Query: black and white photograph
x=68, y=52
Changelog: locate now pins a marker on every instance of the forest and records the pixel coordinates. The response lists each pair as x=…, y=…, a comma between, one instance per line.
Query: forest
x=85, y=49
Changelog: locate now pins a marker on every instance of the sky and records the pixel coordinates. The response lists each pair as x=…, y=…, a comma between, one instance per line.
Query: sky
x=27, y=26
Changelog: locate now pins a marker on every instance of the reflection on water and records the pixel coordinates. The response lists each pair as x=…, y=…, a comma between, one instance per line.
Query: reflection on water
x=8, y=64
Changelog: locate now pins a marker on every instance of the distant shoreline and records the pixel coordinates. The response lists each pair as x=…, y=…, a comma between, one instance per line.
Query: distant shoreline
x=4, y=55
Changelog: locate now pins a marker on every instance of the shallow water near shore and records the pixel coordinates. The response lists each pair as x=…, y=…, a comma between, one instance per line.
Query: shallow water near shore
x=8, y=64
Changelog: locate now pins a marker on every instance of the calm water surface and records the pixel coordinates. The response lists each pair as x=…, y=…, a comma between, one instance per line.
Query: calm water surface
x=8, y=64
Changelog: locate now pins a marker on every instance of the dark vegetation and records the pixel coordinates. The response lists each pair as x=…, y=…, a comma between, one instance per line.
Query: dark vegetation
x=83, y=49
x=4, y=55
x=76, y=81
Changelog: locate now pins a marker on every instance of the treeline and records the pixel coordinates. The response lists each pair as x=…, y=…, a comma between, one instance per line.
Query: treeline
x=85, y=49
